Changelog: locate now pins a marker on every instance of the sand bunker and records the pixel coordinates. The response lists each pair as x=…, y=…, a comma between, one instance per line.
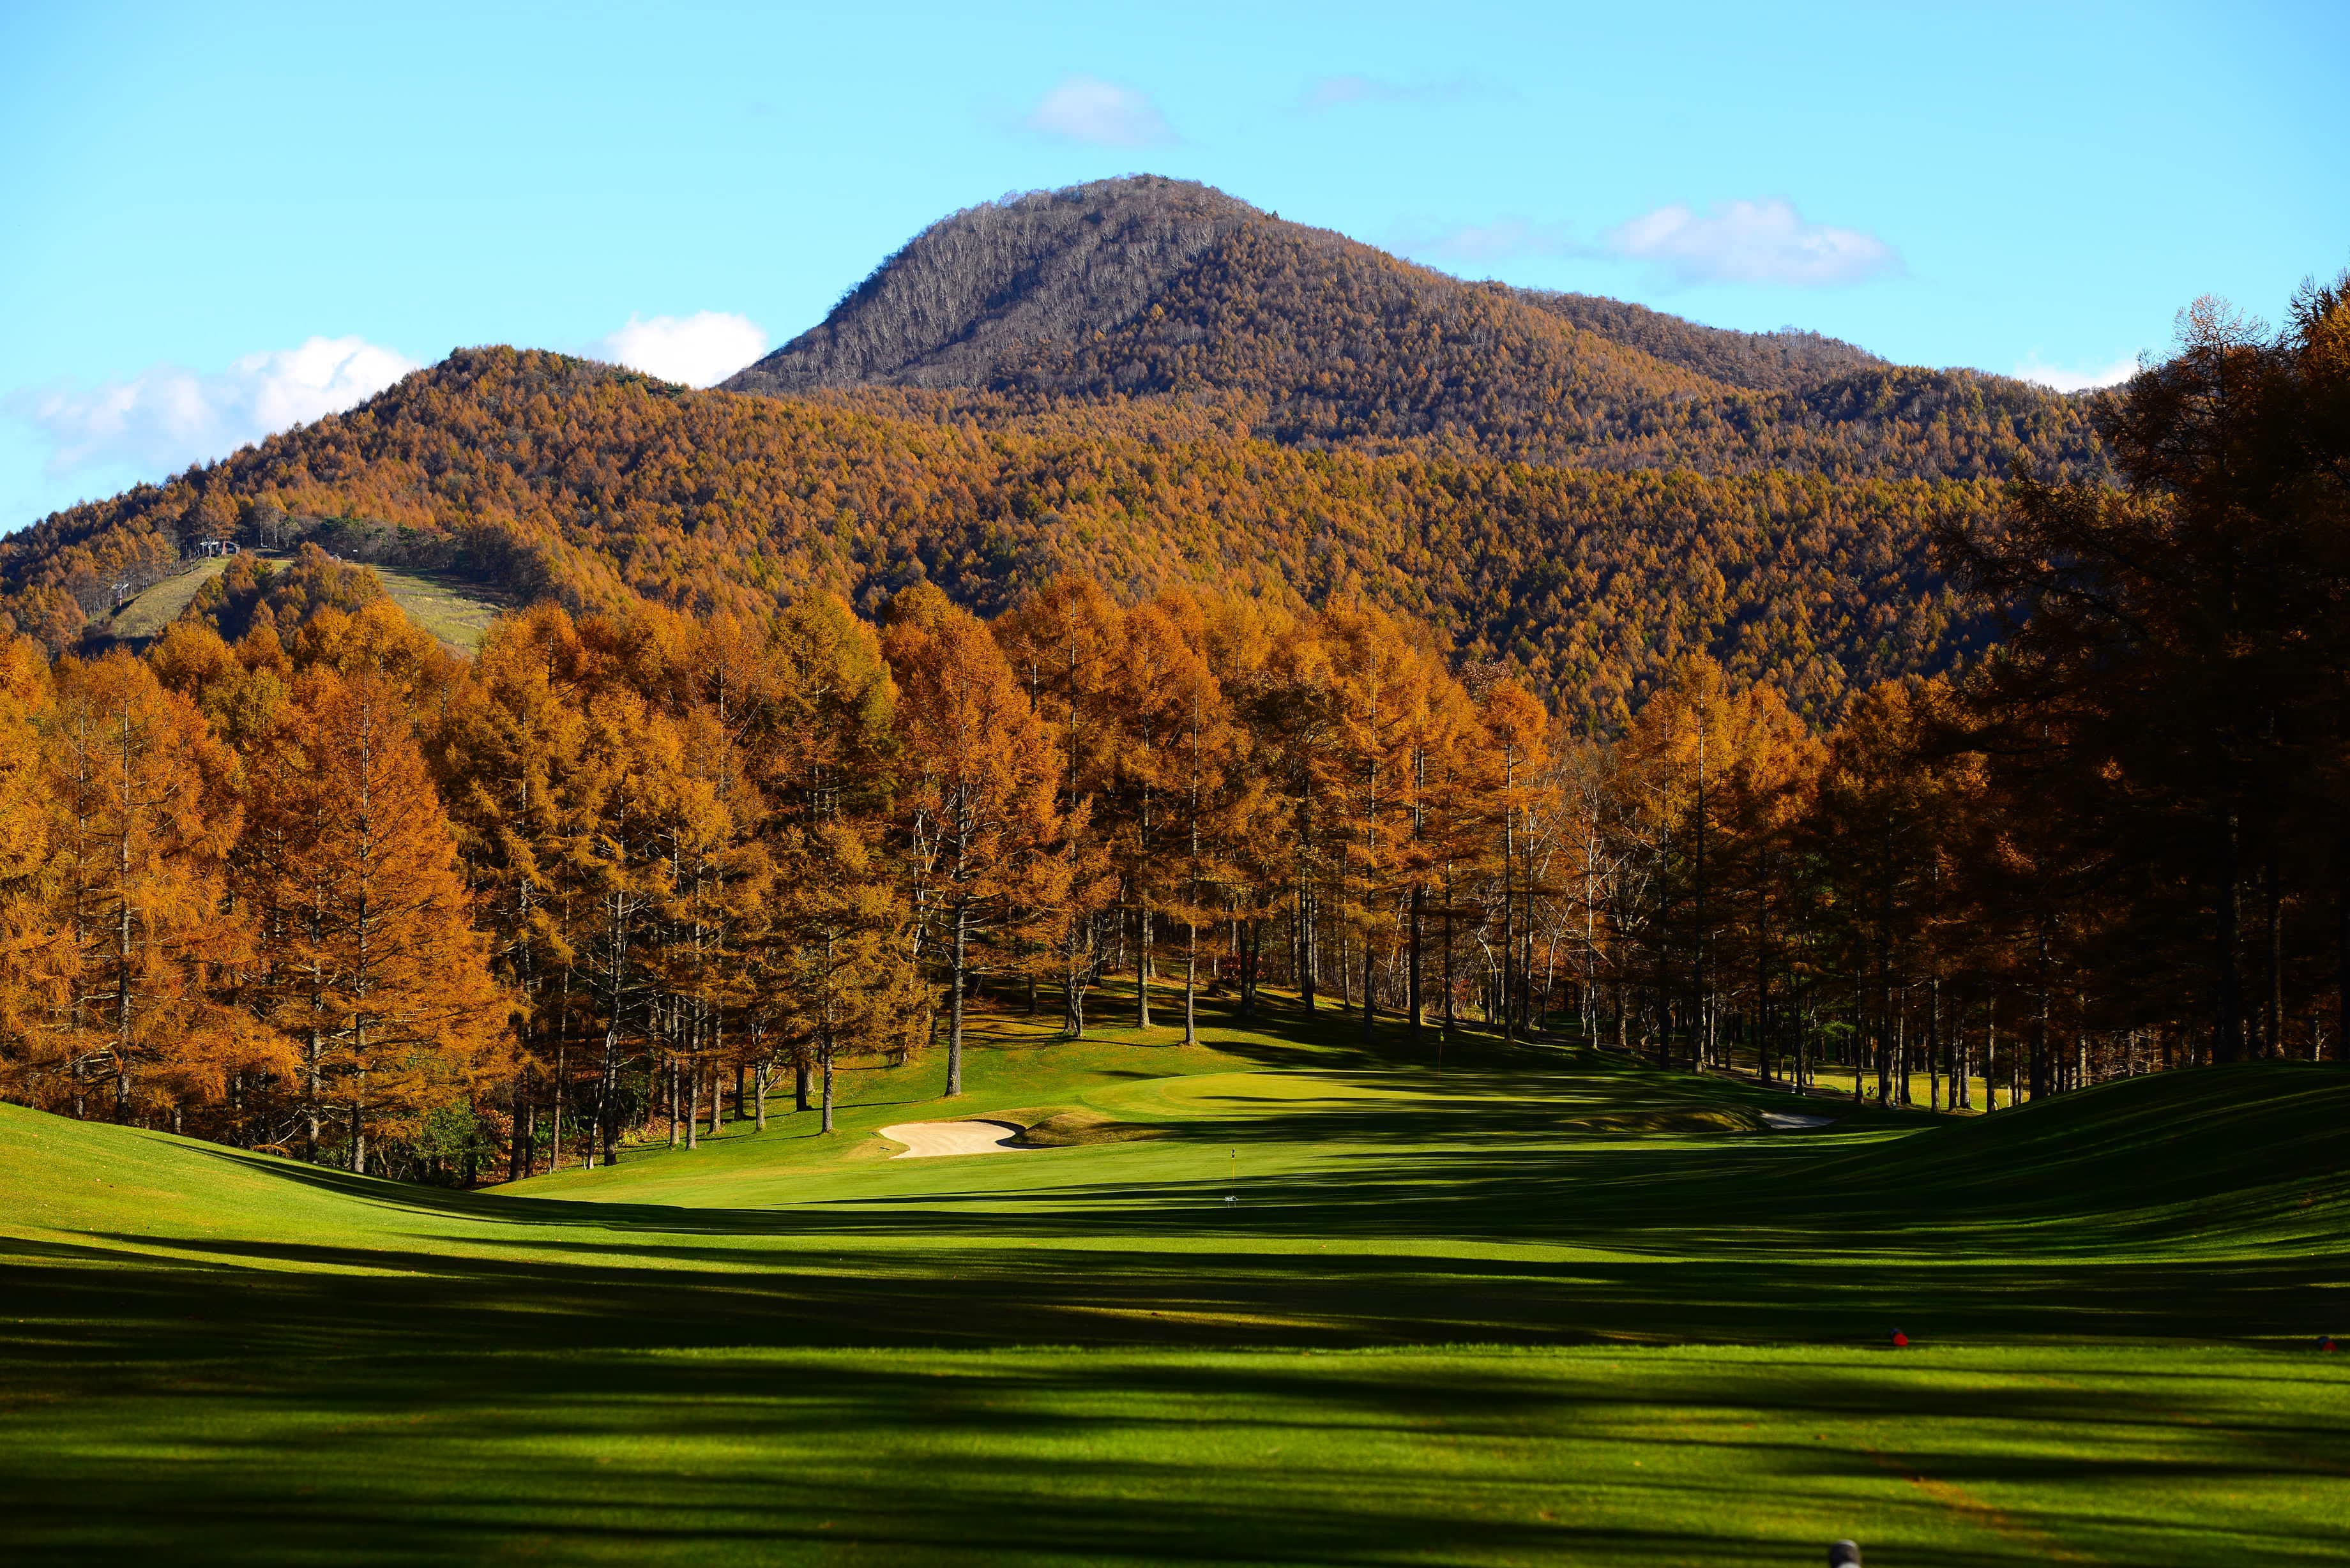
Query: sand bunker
x=1792, y=1121
x=924, y=1140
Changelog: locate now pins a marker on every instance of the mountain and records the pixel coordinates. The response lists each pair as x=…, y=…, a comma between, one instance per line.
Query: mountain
x=551, y=477
x=1148, y=287
x=1151, y=382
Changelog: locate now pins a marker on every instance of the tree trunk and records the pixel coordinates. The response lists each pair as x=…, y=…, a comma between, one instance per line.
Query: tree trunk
x=2041, y=1083
x=310, y=1091
x=522, y=1146
x=1141, y=962
x=2227, y=1028
x=2272, y=986
x=1191, y=985
x=555, y=1106
x=954, y=1019
x=826, y=1058
x=607, y=1104
x=1412, y=981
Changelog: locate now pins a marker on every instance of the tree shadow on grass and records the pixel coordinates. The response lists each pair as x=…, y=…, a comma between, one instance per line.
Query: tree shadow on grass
x=1154, y=1458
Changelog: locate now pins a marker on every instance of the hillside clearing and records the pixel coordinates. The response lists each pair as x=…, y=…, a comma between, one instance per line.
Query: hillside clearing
x=453, y=609
x=158, y=607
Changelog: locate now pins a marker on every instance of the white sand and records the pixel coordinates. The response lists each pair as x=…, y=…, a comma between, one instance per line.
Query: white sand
x=923, y=1140
x=1791, y=1121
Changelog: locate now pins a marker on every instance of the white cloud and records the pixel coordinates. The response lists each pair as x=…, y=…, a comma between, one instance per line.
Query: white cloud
x=1498, y=241
x=1086, y=109
x=164, y=418
x=699, y=349
x=2060, y=379
x=1337, y=92
x=1751, y=241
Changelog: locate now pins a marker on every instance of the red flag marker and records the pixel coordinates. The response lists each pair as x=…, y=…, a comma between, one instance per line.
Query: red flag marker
x=1901, y=1340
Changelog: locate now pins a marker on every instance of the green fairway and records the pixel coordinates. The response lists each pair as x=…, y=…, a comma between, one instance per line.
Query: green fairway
x=1292, y=1301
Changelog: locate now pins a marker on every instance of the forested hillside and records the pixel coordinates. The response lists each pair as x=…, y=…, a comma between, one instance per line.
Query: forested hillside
x=329, y=886
x=556, y=477
x=1146, y=286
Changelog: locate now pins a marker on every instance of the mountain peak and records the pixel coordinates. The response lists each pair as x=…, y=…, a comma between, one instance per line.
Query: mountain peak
x=1148, y=286
x=996, y=280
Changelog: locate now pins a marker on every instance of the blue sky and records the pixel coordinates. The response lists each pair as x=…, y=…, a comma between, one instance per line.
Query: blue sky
x=221, y=219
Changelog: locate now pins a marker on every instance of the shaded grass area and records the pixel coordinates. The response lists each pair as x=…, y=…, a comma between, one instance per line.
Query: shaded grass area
x=1704, y=1455
x=1503, y=1314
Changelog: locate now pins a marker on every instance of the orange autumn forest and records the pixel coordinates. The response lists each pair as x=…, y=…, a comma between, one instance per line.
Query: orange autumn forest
x=816, y=727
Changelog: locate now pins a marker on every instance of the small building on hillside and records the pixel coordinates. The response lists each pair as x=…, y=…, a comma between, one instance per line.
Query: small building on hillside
x=216, y=546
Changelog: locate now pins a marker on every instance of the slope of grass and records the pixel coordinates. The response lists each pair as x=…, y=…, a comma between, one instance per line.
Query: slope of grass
x=160, y=604
x=452, y=608
x=1479, y=1316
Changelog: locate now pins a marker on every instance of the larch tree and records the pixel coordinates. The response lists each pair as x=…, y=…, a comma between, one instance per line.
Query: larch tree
x=142, y=810
x=24, y=845
x=836, y=971
x=1063, y=643
x=977, y=813
x=372, y=957
x=510, y=760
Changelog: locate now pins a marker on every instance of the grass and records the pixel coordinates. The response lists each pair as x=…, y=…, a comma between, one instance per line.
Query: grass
x=456, y=611
x=158, y=606
x=452, y=608
x=1508, y=1313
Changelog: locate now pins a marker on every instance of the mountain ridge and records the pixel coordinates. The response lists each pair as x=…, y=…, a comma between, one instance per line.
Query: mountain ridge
x=1552, y=482
x=557, y=478
x=1145, y=286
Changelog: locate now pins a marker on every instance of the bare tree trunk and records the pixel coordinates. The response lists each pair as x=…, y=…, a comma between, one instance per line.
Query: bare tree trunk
x=310, y=1090
x=2272, y=986
x=359, y=1098
x=954, y=1017
x=2227, y=1028
x=1142, y=962
x=1412, y=982
x=555, y=1096
x=1191, y=985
